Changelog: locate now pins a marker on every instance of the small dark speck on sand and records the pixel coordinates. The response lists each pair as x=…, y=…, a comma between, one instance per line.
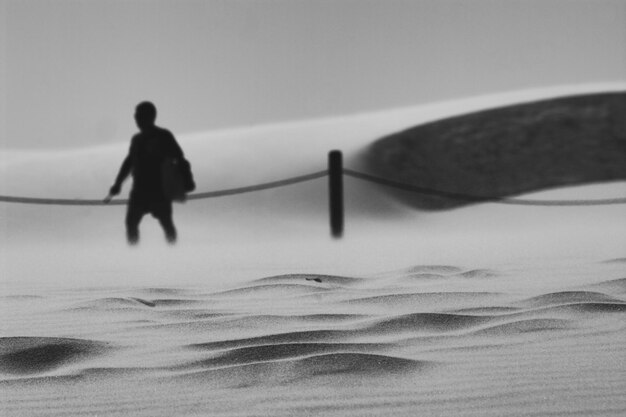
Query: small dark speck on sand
x=314, y=279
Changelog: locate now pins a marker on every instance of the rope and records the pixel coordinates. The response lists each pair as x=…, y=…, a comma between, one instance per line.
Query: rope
x=59, y=201
x=197, y=196
x=320, y=174
x=259, y=187
x=480, y=199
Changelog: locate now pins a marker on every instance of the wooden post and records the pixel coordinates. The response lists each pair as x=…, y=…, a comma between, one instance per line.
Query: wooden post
x=335, y=192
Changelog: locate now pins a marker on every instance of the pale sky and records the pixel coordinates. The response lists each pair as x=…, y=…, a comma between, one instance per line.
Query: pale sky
x=72, y=71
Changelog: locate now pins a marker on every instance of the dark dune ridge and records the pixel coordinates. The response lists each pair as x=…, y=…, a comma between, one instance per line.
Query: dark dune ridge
x=584, y=309
x=599, y=307
x=524, y=326
x=173, y=302
x=306, y=336
x=303, y=369
x=507, y=151
x=34, y=355
x=568, y=297
x=360, y=363
x=144, y=302
x=428, y=322
x=486, y=310
x=111, y=304
x=273, y=352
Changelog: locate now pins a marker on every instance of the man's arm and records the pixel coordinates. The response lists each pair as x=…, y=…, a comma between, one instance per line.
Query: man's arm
x=121, y=176
x=123, y=173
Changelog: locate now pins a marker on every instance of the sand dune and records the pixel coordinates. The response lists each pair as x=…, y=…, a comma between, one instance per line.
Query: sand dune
x=430, y=350
x=275, y=352
x=524, y=326
x=488, y=310
x=37, y=355
x=617, y=285
x=567, y=297
x=299, y=278
x=302, y=371
x=508, y=150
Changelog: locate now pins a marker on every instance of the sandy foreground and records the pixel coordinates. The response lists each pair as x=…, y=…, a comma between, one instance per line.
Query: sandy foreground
x=428, y=339
x=486, y=310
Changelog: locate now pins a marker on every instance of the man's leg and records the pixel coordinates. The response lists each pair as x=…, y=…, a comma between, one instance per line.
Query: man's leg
x=134, y=214
x=170, y=230
x=163, y=212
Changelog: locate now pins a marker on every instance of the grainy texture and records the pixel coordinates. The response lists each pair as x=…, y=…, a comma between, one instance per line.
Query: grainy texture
x=427, y=340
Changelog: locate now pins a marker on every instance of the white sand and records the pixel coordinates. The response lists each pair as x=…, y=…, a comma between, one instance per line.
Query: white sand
x=487, y=310
x=432, y=340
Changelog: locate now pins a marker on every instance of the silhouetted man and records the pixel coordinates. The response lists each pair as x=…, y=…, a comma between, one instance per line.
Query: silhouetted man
x=149, y=149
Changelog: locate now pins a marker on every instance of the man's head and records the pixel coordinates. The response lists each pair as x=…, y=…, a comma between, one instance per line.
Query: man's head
x=145, y=115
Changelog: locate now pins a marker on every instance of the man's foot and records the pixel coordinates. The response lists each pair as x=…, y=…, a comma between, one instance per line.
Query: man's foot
x=133, y=239
x=171, y=238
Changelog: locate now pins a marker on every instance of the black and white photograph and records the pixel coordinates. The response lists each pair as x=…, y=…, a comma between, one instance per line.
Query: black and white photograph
x=328, y=208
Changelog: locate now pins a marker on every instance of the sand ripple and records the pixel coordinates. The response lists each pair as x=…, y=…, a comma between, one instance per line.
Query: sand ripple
x=34, y=355
x=325, y=334
x=568, y=297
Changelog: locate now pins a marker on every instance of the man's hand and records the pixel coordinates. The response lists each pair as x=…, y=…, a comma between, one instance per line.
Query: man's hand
x=115, y=190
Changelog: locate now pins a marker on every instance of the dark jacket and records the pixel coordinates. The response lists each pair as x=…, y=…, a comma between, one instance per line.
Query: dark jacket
x=148, y=150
